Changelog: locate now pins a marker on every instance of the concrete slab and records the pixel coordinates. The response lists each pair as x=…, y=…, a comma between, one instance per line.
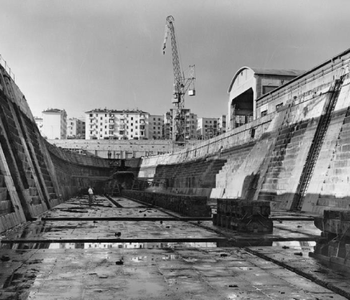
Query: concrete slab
x=152, y=270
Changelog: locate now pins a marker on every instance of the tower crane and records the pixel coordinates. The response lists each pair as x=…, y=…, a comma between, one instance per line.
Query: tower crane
x=181, y=85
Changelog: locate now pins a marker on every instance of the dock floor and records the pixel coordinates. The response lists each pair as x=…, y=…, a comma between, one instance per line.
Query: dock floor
x=122, y=249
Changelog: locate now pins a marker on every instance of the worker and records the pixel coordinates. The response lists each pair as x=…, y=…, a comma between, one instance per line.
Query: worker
x=91, y=195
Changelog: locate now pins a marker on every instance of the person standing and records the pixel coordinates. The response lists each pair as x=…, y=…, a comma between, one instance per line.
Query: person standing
x=91, y=195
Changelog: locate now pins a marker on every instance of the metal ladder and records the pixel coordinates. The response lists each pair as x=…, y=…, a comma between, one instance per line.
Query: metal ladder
x=316, y=145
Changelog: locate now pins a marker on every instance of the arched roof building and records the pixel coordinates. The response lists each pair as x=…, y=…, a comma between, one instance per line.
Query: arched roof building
x=249, y=84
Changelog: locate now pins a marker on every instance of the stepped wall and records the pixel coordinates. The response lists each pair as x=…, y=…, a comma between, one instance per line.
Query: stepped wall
x=297, y=156
x=34, y=175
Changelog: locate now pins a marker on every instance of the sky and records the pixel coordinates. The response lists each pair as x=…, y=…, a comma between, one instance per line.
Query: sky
x=80, y=55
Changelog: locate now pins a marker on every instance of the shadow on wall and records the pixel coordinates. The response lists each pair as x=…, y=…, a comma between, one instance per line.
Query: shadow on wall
x=314, y=203
x=250, y=185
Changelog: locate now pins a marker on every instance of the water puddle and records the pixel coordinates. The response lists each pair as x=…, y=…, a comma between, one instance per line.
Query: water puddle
x=123, y=245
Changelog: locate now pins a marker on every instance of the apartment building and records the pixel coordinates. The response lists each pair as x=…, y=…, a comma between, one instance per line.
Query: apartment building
x=207, y=128
x=132, y=125
x=116, y=124
x=189, y=124
x=75, y=128
x=156, y=127
x=54, y=124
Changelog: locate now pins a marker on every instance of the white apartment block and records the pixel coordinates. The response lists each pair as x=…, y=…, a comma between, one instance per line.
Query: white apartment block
x=207, y=128
x=54, y=124
x=116, y=124
x=75, y=128
x=156, y=127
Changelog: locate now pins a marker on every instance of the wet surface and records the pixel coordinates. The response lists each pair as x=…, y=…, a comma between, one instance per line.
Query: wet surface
x=122, y=268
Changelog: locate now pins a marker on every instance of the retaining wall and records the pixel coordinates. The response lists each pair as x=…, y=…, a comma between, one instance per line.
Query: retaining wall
x=34, y=175
x=282, y=157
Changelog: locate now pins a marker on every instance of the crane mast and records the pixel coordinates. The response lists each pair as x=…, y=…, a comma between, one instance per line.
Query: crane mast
x=181, y=85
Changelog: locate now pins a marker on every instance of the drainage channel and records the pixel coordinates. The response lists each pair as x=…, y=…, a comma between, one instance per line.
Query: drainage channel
x=115, y=203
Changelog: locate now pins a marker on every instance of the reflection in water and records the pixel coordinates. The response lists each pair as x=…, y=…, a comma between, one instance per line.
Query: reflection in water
x=130, y=245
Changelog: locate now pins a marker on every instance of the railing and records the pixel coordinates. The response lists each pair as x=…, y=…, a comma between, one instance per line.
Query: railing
x=7, y=68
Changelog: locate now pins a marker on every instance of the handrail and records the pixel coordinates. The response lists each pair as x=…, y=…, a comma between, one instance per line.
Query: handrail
x=7, y=68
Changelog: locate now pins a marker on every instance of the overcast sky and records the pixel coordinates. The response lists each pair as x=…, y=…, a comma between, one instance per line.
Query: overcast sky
x=80, y=55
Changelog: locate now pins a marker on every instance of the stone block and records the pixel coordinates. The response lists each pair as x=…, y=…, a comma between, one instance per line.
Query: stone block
x=3, y=193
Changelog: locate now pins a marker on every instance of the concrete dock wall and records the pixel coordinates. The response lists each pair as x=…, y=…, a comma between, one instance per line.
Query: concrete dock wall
x=297, y=156
x=34, y=175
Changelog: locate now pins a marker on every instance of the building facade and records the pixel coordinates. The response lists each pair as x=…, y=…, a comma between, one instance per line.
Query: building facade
x=54, y=124
x=156, y=127
x=207, y=128
x=189, y=124
x=248, y=85
x=116, y=124
x=75, y=128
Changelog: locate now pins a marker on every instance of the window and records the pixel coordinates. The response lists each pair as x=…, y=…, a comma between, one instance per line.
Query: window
x=264, y=113
x=268, y=88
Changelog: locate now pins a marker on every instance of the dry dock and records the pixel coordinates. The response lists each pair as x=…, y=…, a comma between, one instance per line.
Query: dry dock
x=122, y=249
